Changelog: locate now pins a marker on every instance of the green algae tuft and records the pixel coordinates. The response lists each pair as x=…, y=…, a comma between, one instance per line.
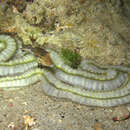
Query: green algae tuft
x=70, y=57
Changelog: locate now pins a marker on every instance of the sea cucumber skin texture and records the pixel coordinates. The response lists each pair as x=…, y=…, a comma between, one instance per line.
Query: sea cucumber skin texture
x=52, y=91
x=10, y=47
x=120, y=92
x=91, y=83
x=18, y=66
x=25, y=79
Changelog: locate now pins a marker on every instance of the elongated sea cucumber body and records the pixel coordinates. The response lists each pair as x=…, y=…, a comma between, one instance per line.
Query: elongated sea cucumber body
x=18, y=65
x=8, y=47
x=60, y=65
x=89, y=84
x=17, y=69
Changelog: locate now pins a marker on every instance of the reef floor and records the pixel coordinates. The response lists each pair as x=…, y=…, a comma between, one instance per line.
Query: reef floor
x=31, y=109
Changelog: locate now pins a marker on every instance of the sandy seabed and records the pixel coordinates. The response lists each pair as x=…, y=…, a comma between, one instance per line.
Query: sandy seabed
x=47, y=113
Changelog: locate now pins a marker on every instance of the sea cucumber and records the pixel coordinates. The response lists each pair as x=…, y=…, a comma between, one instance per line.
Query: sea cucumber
x=89, y=84
x=17, y=68
x=87, y=87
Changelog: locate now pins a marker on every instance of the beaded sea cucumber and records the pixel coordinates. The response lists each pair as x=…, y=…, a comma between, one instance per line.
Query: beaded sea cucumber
x=17, y=68
x=89, y=84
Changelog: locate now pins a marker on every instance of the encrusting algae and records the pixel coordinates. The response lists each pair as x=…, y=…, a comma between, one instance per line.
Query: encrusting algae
x=63, y=24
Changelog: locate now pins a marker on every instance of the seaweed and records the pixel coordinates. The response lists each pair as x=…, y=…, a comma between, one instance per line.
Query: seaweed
x=70, y=57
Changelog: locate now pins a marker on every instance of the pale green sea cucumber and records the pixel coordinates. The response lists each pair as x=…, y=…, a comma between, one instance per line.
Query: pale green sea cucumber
x=89, y=84
x=17, y=68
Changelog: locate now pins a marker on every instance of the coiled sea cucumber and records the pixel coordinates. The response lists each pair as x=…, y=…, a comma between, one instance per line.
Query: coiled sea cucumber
x=89, y=84
x=57, y=60
x=17, y=69
x=87, y=87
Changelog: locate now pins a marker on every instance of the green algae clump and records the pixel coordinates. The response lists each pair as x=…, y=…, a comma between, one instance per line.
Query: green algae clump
x=70, y=57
